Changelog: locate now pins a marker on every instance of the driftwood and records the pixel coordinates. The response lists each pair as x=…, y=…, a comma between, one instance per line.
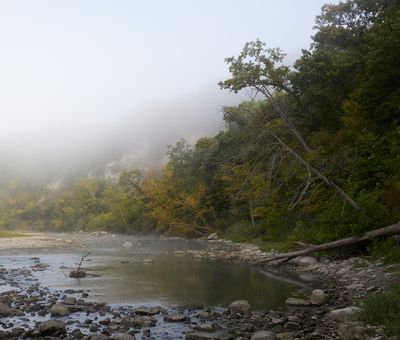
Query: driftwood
x=385, y=231
x=78, y=273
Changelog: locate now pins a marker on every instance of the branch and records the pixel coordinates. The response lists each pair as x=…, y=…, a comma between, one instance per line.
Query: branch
x=385, y=231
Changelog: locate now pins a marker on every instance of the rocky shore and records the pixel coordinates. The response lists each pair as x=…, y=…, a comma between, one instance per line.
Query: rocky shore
x=34, y=241
x=30, y=310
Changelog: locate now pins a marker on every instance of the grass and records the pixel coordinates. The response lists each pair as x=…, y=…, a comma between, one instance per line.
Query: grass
x=386, y=250
x=5, y=233
x=383, y=309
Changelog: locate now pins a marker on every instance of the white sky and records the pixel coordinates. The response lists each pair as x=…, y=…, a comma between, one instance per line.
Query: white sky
x=71, y=66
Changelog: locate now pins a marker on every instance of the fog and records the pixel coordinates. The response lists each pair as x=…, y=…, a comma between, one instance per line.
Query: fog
x=84, y=83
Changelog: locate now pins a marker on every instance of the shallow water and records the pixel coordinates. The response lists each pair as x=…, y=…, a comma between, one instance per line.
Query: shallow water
x=168, y=280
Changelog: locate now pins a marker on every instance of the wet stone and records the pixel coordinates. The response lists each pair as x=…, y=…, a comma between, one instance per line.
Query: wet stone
x=175, y=318
x=143, y=310
x=59, y=309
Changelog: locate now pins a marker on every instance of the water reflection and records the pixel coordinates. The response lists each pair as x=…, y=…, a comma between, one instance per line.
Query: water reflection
x=169, y=279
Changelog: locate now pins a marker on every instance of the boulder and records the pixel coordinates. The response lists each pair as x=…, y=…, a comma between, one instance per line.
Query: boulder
x=59, y=309
x=4, y=309
x=344, y=314
x=52, y=328
x=212, y=237
x=263, y=335
x=318, y=297
x=239, y=307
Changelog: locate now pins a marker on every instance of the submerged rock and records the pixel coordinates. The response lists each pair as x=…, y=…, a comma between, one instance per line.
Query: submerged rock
x=127, y=244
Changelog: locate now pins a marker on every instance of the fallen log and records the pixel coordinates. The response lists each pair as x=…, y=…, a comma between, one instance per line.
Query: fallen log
x=385, y=231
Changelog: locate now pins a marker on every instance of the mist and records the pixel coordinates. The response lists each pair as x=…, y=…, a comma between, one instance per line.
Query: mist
x=88, y=83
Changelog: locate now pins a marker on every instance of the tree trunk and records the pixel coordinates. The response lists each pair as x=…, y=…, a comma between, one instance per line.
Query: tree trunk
x=251, y=215
x=385, y=231
x=321, y=176
x=285, y=117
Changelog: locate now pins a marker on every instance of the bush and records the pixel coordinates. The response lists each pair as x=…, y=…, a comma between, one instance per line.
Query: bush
x=383, y=309
x=386, y=250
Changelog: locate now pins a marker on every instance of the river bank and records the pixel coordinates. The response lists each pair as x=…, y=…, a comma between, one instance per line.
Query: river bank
x=329, y=313
x=30, y=309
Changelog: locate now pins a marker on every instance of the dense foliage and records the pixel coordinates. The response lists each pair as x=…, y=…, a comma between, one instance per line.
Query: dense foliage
x=316, y=157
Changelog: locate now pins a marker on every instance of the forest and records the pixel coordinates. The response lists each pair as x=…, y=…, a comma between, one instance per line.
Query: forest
x=312, y=156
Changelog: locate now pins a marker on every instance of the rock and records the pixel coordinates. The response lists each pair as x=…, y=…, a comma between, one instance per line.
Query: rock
x=105, y=321
x=213, y=236
x=59, y=309
x=305, y=261
x=148, y=261
x=297, y=302
x=143, y=310
x=179, y=252
x=353, y=331
x=122, y=336
x=318, y=297
x=175, y=318
x=285, y=336
x=98, y=337
x=77, y=274
x=239, y=307
x=52, y=327
x=263, y=335
x=127, y=244
x=4, y=309
x=200, y=336
x=144, y=321
x=344, y=314
x=206, y=327
x=69, y=300
x=292, y=326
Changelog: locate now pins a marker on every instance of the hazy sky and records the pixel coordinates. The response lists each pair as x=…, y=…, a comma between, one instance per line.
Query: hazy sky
x=71, y=68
